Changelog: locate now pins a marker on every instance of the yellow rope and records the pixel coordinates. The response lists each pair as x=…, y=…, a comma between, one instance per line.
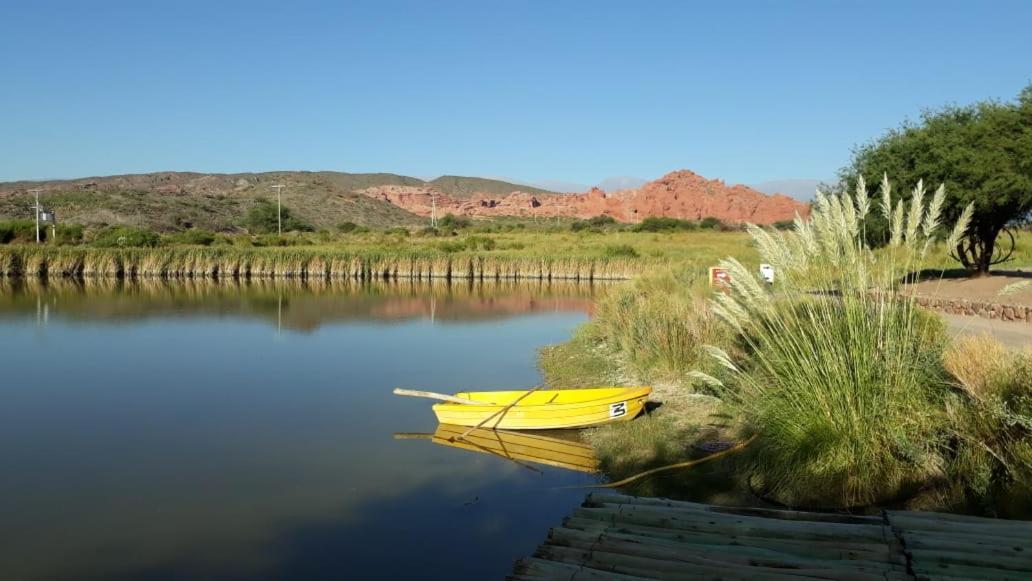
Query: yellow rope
x=736, y=448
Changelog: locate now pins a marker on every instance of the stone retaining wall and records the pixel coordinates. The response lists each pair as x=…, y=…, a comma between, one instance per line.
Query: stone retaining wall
x=987, y=310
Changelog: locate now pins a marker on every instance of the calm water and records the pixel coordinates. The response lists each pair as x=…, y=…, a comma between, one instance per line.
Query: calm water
x=206, y=431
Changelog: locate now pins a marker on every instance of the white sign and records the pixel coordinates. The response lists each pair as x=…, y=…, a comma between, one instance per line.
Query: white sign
x=617, y=409
x=767, y=272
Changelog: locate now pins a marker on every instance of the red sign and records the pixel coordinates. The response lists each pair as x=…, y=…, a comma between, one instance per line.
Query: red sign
x=719, y=277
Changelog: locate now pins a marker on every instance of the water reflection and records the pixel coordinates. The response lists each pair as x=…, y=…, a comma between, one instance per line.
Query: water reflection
x=301, y=305
x=558, y=448
x=190, y=440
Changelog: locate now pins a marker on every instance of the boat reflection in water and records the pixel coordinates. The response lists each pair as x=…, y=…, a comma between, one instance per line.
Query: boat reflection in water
x=558, y=448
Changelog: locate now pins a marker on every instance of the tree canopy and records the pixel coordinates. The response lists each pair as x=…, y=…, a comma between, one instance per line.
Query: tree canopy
x=982, y=153
x=262, y=219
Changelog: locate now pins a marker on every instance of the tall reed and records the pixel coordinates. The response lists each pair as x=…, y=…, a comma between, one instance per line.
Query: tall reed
x=181, y=262
x=842, y=378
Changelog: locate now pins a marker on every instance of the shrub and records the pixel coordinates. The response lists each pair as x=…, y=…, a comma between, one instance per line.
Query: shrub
x=842, y=382
x=620, y=251
x=711, y=223
x=280, y=241
x=468, y=243
x=450, y=247
x=596, y=223
x=125, y=236
x=480, y=243
x=991, y=418
x=346, y=227
x=69, y=234
x=262, y=219
x=453, y=222
x=663, y=224
x=19, y=231
x=398, y=231
x=193, y=236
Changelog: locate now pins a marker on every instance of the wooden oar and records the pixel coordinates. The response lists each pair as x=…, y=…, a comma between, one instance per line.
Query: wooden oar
x=413, y=436
x=463, y=435
x=435, y=395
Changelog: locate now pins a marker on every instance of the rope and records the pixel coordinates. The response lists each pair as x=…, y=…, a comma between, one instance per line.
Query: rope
x=733, y=449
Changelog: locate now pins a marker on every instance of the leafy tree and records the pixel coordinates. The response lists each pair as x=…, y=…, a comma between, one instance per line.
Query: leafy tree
x=262, y=219
x=982, y=153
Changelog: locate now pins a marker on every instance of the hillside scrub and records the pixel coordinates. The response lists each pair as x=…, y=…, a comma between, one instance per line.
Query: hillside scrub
x=192, y=237
x=124, y=236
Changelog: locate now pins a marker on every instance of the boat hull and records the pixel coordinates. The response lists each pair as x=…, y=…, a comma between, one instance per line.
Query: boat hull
x=545, y=409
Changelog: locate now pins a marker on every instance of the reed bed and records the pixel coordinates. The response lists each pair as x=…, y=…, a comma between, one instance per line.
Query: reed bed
x=189, y=262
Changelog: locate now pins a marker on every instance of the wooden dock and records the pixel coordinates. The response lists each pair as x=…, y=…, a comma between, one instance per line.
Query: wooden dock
x=613, y=536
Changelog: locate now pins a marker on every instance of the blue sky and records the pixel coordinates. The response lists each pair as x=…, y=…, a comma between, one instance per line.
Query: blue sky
x=577, y=91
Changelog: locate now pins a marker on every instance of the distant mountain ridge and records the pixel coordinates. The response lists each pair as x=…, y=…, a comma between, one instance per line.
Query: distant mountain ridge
x=180, y=200
x=215, y=201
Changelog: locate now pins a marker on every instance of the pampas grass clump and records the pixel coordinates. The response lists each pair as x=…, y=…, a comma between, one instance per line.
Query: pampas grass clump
x=842, y=374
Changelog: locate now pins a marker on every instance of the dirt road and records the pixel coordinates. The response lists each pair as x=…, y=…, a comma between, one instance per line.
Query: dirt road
x=1016, y=335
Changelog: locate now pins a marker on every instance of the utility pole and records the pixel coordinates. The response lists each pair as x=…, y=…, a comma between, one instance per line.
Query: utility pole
x=279, y=207
x=36, y=208
x=433, y=210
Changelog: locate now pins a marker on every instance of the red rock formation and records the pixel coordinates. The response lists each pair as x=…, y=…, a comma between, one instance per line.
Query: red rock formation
x=680, y=194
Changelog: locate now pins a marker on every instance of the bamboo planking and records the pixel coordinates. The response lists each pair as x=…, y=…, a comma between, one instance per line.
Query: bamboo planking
x=614, y=536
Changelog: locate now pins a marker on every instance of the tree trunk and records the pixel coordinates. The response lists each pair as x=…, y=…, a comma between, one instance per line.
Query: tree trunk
x=985, y=248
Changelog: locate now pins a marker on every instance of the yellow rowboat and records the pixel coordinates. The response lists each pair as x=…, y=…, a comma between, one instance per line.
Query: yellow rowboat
x=542, y=409
x=520, y=447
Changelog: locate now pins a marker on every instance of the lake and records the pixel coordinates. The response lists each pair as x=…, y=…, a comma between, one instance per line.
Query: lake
x=204, y=430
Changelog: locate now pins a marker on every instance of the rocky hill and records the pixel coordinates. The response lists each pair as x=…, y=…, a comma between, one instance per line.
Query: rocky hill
x=178, y=200
x=680, y=194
